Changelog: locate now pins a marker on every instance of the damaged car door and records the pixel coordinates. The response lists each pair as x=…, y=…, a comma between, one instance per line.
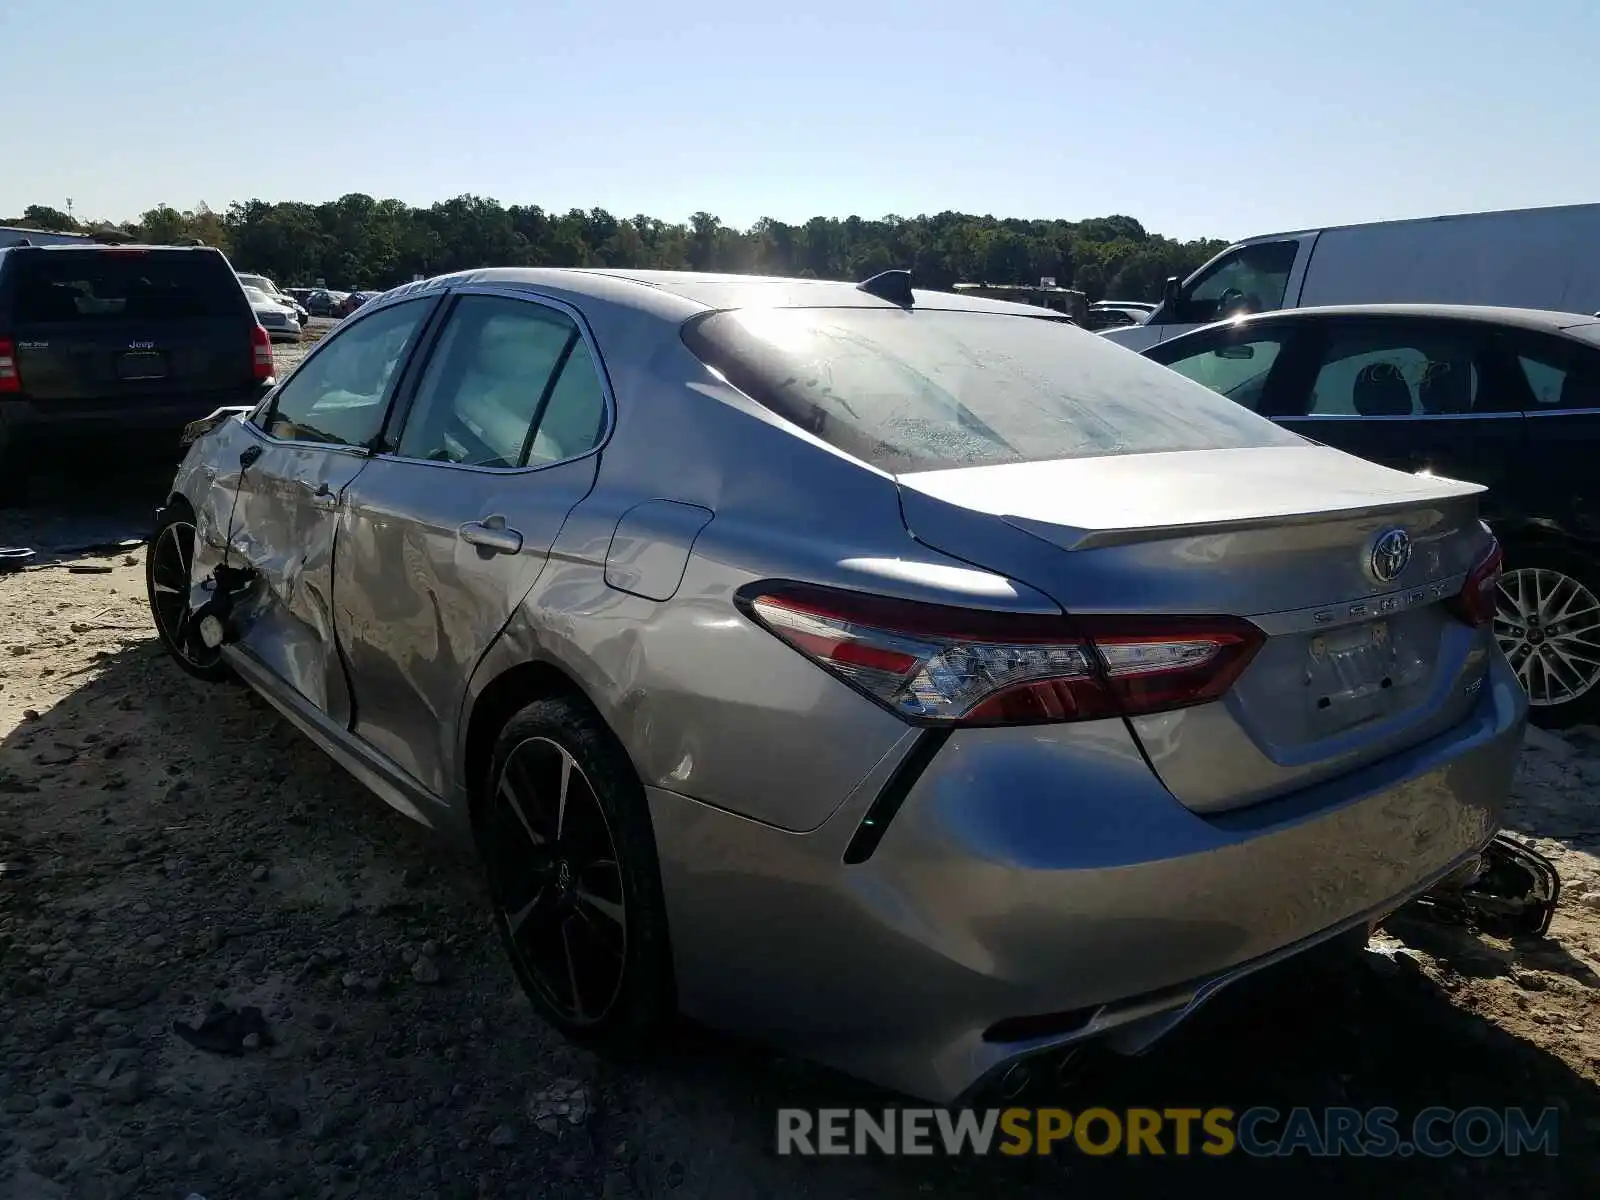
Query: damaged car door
x=310, y=439
x=448, y=527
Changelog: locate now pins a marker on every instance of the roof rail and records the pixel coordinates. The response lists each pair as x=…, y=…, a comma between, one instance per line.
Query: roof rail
x=893, y=286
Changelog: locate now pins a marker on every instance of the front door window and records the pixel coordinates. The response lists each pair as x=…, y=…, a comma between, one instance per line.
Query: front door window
x=340, y=395
x=1237, y=369
x=1252, y=279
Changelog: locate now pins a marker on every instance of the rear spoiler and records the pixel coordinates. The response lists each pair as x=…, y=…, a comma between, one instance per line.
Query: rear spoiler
x=1094, y=539
x=195, y=430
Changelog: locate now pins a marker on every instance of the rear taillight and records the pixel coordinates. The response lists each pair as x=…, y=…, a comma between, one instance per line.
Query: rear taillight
x=261, y=340
x=938, y=665
x=1475, y=603
x=10, y=377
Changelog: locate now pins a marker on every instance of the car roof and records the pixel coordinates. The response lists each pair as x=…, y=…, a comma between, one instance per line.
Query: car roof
x=711, y=290
x=1538, y=319
x=107, y=247
x=1453, y=216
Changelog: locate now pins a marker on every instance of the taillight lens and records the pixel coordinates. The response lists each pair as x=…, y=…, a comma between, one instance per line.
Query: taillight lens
x=10, y=377
x=1475, y=603
x=941, y=665
x=261, y=341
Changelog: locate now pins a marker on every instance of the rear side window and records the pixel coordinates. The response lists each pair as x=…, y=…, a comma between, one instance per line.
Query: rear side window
x=1560, y=380
x=76, y=286
x=511, y=384
x=1395, y=372
x=928, y=390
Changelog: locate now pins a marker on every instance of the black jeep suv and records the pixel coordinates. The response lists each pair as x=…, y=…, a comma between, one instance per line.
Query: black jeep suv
x=117, y=344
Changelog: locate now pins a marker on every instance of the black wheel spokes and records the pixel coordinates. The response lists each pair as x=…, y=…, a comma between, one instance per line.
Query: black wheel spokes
x=558, y=882
x=170, y=559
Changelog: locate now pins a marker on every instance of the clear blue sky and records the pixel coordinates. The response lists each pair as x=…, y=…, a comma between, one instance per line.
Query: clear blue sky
x=1227, y=118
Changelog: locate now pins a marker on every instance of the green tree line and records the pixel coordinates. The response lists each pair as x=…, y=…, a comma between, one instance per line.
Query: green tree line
x=357, y=242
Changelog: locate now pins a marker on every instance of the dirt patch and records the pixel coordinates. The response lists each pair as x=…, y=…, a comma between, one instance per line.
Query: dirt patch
x=179, y=848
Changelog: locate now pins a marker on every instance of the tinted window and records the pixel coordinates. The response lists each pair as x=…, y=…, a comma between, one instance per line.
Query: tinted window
x=502, y=365
x=575, y=416
x=1561, y=380
x=1395, y=373
x=924, y=390
x=107, y=285
x=1251, y=279
x=341, y=393
x=1238, y=370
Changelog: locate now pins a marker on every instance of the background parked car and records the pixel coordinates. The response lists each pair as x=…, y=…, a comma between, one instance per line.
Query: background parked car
x=354, y=301
x=1505, y=397
x=116, y=344
x=300, y=296
x=280, y=321
x=729, y=738
x=276, y=295
x=322, y=302
x=1110, y=314
x=1521, y=257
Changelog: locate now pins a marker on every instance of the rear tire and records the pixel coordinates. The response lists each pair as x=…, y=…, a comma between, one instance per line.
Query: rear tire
x=570, y=853
x=167, y=561
x=1548, y=625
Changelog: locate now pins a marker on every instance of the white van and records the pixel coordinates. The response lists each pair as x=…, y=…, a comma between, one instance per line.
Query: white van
x=1522, y=258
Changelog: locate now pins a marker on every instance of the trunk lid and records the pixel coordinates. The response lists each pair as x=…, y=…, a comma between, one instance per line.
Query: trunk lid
x=1362, y=657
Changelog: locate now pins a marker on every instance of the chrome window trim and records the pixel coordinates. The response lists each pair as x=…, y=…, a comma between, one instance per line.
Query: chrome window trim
x=607, y=395
x=1483, y=416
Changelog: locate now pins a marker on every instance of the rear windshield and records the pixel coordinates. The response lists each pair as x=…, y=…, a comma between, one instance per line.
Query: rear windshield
x=927, y=390
x=92, y=285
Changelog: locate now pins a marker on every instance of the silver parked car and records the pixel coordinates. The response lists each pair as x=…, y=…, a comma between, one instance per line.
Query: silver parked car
x=276, y=295
x=277, y=319
x=916, y=680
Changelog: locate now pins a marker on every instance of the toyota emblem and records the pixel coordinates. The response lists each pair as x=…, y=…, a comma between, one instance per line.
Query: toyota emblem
x=1391, y=554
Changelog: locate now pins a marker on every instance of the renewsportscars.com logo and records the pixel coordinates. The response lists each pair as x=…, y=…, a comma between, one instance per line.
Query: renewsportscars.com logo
x=1259, y=1132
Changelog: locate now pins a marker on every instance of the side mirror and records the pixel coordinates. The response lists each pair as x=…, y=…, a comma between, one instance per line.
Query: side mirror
x=1169, y=291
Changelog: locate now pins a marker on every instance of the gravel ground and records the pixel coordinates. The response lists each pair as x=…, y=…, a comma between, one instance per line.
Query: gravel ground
x=177, y=848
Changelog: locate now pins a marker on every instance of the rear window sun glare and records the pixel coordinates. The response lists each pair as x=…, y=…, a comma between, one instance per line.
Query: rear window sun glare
x=931, y=389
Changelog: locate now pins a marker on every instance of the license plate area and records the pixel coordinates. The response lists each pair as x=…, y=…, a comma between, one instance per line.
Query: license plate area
x=142, y=364
x=1352, y=675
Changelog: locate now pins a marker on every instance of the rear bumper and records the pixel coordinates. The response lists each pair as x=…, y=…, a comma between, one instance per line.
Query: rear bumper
x=1046, y=873
x=54, y=425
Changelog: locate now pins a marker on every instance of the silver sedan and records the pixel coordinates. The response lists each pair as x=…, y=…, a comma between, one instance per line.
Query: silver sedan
x=279, y=320
x=917, y=681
